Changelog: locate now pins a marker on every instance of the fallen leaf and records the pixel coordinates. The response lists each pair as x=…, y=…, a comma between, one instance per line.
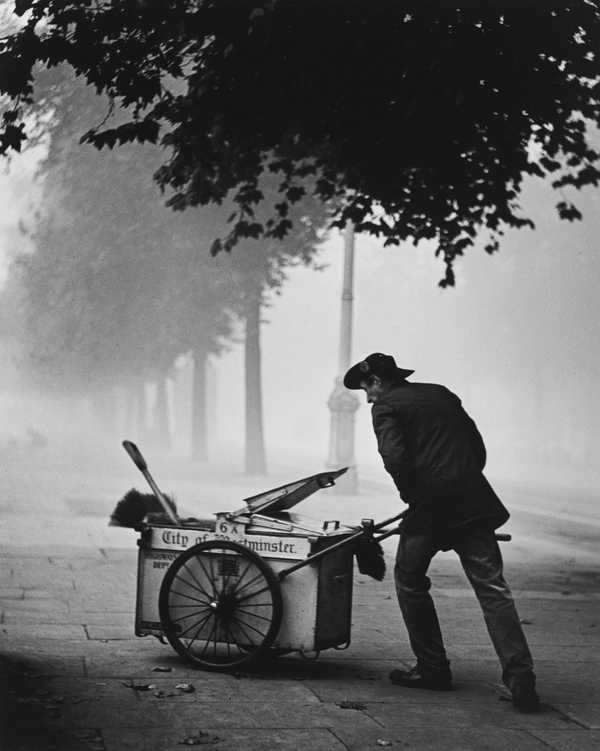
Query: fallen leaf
x=140, y=686
x=352, y=705
x=200, y=739
x=187, y=688
x=161, y=669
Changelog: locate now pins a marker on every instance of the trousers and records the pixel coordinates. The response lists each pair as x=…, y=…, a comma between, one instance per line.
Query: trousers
x=481, y=560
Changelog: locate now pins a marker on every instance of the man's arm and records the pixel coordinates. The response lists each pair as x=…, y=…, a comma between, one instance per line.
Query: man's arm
x=476, y=441
x=393, y=449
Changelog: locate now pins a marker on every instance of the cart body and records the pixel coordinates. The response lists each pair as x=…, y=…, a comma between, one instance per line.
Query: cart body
x=317, y=598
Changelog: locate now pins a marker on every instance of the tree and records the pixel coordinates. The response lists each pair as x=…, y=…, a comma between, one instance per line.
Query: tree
x=136, y=284
x=421, y=117
x=258, y=269
x=108, y=295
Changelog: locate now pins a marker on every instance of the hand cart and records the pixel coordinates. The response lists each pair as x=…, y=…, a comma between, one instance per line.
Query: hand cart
x=258, y=579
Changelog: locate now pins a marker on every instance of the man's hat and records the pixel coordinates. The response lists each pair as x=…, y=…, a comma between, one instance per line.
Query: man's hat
x=377, y=364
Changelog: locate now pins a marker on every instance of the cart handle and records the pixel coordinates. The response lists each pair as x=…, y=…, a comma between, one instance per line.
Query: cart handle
x=500, y=536
x=317, y=556
x=356, y=536
x=367, y=529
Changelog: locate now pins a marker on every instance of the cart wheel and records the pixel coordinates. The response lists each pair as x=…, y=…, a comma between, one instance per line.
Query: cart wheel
x=220, y=605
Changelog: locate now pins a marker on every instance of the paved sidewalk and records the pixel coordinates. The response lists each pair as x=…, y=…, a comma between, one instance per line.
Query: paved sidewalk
x=69, y=659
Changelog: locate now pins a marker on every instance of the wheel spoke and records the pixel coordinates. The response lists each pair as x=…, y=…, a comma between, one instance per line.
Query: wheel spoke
x=243, y=630
x=199, y=585
x=226, y=630
x=200, y=627
x=253, y=594
x=243, y=574
x=258, y=576
x=249, y=626
x=232, y=639
x=193, y=639
x=188, y=597
x=226, y=582
x=206, y=574
x=188, y=615
x=254, y=615
x=210, y=578
x=217, y=622
x=214, y=628
x=213, y=578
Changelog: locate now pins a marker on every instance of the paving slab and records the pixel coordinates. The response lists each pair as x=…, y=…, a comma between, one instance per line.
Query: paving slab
x=380, y=690
x=569, y=740
x=224, y=739
x=42, y=631
x=73, y=631
x=189, y=710
x=479, y=737
x=457, y=714
x=124, y=619
x=554, y=653
x=108, y=631
x=586, y=714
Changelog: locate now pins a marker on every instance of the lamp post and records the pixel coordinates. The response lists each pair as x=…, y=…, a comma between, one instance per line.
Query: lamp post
x=343, y=403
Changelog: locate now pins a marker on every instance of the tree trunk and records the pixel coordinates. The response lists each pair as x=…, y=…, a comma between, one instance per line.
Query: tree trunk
x=161, y=415
x=255, y=450
x=199, y=407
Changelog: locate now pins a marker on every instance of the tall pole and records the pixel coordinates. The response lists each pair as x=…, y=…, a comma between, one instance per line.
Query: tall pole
x=345, y=350
x=343, y=403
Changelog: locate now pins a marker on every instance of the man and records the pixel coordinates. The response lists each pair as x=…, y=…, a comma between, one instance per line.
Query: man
x=435, y=455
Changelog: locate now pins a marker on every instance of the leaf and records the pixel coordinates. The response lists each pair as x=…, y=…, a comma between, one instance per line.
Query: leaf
x=549, y=164
x=22, y=6
x=568, y=211
x=12, y=137
x=295, y=193
x=187, y=688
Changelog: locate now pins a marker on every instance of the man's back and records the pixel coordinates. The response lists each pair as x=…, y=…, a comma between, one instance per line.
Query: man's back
x=441, y=441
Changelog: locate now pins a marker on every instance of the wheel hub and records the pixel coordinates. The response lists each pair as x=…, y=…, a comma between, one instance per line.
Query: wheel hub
x=224, y=606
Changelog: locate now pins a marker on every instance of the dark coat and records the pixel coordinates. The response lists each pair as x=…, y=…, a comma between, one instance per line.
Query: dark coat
x=435, y=455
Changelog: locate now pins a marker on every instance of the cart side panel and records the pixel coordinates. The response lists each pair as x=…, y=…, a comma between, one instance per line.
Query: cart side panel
x=159, y=546
x=152, y=566
x=334, y=599
x=299, y=594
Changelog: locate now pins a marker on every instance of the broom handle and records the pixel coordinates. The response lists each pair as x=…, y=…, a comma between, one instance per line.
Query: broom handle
x=140, y=463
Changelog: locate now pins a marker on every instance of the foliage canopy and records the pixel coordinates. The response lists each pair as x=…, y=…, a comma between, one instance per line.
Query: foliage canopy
x=419, y=118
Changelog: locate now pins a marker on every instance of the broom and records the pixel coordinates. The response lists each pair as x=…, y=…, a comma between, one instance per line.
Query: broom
x=369, y=558
x=368, y=550
x=133, y=508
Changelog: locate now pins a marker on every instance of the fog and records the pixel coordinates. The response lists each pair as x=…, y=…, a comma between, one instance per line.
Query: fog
x=516, y=339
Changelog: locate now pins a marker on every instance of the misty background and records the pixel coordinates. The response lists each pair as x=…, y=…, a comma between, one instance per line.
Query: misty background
x=516, y=339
